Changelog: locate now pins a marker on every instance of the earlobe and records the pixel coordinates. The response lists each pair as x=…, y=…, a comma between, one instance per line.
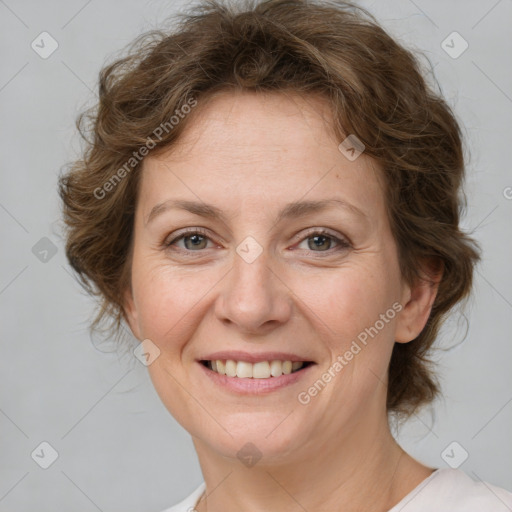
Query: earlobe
x=418, y=300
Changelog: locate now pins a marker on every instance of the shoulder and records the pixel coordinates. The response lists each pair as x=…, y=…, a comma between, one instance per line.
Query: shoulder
x=452, y=490
x=188, y=504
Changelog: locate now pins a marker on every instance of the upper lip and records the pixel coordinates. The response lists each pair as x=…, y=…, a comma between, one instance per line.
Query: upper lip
x=238, y=355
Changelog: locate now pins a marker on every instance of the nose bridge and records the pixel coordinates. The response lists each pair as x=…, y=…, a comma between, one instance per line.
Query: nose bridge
x=253, y=297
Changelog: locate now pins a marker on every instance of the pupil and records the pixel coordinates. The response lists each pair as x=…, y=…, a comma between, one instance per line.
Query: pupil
x=316, y=239
x=195, y=239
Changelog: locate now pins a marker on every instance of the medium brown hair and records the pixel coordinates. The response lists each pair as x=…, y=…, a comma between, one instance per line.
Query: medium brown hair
x=376, y=91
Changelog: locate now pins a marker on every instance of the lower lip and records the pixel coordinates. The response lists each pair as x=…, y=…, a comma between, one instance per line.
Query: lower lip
x=251, y=386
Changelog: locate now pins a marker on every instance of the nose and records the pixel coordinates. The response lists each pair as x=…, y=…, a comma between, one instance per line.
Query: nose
x=254, y=297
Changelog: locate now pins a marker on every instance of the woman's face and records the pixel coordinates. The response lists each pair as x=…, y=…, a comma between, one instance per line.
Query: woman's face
x=261, y=283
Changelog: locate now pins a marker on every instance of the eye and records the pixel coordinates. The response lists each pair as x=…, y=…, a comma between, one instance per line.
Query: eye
x=323, y=239
x=194, y=239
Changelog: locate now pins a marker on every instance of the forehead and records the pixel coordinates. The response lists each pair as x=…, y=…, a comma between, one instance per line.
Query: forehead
x=243, y=146
x=241, y=123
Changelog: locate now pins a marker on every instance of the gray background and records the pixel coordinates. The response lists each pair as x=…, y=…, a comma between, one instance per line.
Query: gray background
x=119, y=449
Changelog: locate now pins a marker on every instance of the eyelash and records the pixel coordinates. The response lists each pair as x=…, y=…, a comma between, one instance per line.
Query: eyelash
x=341, y=243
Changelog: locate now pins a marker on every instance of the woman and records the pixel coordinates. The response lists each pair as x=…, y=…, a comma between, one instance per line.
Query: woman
x=271, y=202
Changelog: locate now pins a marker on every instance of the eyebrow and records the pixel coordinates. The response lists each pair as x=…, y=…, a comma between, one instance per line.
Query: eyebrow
x=291, y=210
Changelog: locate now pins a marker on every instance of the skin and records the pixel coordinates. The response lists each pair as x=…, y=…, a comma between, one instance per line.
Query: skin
x=250, y=154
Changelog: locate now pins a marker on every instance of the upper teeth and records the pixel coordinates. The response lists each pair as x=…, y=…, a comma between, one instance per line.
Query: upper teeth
x=261, y=370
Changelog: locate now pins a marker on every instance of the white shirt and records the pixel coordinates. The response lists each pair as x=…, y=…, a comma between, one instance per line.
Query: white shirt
x=445, y=490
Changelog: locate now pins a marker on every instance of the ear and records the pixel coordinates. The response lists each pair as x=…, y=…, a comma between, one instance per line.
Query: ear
x=130, y=312
x=417, y=300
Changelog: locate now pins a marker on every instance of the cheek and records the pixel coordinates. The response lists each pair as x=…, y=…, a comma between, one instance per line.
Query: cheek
x=170, y=309
x=348, y=300
x=169, y=303
x=357, y=311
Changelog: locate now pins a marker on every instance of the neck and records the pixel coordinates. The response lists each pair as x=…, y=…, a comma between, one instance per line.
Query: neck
x=364, y=471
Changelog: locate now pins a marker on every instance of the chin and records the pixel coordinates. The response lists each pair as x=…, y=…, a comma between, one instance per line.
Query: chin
x=270, y=438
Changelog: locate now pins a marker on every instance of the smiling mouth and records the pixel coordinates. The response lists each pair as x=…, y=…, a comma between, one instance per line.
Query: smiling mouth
x=260, y=370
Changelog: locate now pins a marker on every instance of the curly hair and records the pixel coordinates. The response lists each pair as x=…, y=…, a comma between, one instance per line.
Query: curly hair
x=376, y=91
